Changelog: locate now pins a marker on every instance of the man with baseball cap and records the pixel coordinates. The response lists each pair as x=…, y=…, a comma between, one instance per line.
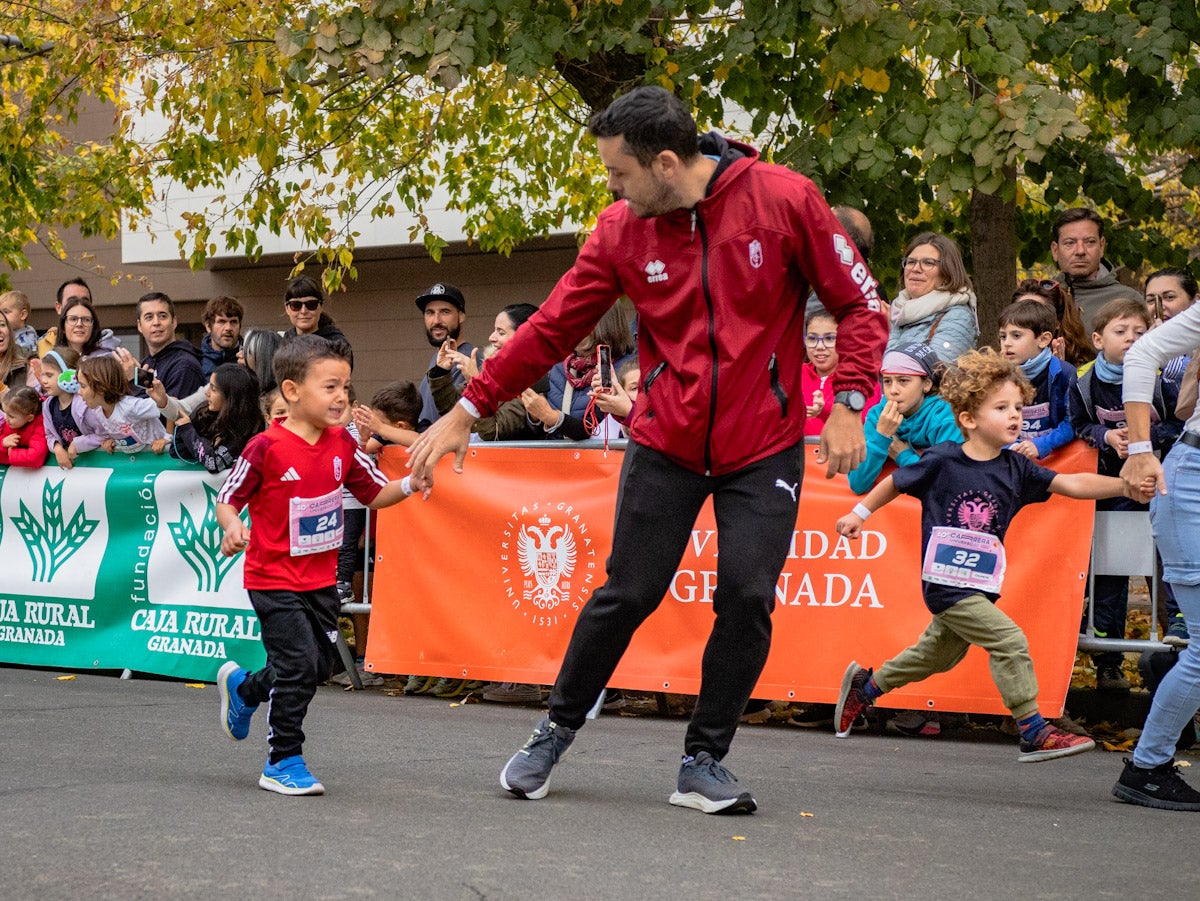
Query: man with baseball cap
x=445, y=310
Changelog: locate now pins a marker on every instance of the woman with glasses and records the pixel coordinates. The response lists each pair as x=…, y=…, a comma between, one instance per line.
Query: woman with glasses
x=937, y=306
x=820, y=348
x=1071, y=343
x=79, y=329
x=304, y=303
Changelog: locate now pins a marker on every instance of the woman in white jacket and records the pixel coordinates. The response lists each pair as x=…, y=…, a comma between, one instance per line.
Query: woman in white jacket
x=937, y=306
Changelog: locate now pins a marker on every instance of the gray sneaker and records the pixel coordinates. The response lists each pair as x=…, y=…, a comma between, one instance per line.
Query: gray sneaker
x=707, y=786
x=527, y=773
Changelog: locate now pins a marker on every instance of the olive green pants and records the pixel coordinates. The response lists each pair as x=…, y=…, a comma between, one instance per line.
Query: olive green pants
x=972, y=621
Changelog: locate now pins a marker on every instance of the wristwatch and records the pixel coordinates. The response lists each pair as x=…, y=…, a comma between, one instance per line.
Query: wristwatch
x=855, y=400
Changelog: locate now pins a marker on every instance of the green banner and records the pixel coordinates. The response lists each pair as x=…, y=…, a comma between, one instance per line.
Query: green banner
x=117, y=564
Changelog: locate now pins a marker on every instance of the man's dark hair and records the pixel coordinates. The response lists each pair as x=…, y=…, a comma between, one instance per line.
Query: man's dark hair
x=297, y=354
x=71, y=281
x=1076, y=214
x=398, y=402
x=651, y=120
x=229, y=307
x=156, y=297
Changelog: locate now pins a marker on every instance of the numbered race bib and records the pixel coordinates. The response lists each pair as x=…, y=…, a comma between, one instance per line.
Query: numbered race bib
x=961, y=558
x=315, y=524
x=1034, y=420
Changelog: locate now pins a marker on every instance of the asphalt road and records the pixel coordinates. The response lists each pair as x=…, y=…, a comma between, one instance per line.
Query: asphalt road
x=130, y=790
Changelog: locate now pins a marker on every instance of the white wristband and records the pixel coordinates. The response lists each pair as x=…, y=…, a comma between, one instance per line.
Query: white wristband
x=1140, y=447
x=406, y=486
x=861, y=511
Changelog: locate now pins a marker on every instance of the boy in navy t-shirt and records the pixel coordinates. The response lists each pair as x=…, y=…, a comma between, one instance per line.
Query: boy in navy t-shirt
x=969, y=494
x=291, y=477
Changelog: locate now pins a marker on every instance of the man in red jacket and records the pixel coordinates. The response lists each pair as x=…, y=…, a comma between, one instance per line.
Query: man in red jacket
x=717, y=251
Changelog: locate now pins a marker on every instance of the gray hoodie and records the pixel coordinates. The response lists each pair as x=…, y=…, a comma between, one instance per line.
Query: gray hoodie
x=1093, y=293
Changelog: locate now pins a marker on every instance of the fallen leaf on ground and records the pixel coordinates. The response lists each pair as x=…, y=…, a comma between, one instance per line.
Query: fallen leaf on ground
x=193, y=685
x=1118, y=746
x=738, y=838
x=803, y=814
x=65, y=678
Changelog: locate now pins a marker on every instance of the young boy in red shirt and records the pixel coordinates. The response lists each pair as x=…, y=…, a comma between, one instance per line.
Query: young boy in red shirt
x=291, y=477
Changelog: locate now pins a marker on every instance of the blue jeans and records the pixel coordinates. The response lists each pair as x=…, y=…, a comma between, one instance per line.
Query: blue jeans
x=1175, y=517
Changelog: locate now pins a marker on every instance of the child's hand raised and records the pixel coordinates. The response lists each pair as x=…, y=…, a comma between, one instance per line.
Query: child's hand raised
x=366, y=420
x=818, y=403
x=890, y=418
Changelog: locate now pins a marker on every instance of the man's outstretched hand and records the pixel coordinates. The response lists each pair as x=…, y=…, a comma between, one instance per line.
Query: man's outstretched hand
x=450, y=434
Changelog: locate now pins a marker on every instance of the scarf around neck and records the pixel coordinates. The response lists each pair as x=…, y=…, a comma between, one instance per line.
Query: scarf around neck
x=579, y=370
x=1035, y=366
x=907, y=310
x=1108, y=372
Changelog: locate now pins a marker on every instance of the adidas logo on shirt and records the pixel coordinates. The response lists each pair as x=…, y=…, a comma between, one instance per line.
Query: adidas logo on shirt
x=290, y=476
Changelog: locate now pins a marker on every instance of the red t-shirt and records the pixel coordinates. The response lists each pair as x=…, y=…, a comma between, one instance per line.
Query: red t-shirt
x=294, y=490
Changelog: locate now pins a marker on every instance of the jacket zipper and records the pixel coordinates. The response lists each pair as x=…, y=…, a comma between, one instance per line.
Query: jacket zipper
x=776, y=388
x=698, y=221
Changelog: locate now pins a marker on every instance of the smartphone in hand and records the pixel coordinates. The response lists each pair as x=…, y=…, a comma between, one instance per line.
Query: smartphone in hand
x=604, y=361
x=144, y=378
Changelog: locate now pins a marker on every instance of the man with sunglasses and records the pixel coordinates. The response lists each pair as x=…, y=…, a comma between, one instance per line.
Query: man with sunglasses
x=1077, y=246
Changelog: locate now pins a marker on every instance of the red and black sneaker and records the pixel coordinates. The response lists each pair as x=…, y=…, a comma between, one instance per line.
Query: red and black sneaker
x=852, y=699
x=1052, y=742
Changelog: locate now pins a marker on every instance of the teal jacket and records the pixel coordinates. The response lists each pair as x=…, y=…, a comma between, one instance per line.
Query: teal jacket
x=931, y=424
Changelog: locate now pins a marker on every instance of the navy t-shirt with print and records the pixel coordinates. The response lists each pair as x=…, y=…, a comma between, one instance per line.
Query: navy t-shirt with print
x=975, y=495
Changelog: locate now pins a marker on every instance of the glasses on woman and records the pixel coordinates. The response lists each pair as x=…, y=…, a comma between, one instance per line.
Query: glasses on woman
x=826, y=340
x=304, y=303
x=919, y=263
x=80, y=320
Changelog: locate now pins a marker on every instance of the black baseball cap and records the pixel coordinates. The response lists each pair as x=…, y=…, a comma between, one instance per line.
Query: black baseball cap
x=442, y=291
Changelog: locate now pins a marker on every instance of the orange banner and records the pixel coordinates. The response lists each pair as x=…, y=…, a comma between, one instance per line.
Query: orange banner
x=486, y=579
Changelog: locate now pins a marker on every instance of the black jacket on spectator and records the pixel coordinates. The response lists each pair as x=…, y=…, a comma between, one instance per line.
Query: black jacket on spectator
x=178, y=368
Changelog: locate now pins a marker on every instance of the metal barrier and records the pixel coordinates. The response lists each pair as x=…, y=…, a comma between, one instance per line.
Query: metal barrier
x=1122, y=545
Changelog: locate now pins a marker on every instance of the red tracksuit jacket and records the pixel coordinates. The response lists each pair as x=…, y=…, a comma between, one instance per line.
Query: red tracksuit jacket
x=720, y=293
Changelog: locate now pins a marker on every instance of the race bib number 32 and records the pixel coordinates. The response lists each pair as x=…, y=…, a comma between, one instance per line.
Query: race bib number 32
x=315, y=524
x=961, y=558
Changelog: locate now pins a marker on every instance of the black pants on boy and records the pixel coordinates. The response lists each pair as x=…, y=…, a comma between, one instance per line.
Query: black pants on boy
x=657, y=504
x=299, y=630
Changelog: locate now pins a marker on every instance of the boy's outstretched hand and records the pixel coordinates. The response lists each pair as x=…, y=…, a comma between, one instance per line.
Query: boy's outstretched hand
x=850, y=526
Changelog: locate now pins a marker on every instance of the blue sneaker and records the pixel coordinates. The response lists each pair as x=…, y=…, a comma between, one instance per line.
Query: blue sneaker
x=290, y=777
x=527, y=773
x=235, y=713
x=707, y=786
